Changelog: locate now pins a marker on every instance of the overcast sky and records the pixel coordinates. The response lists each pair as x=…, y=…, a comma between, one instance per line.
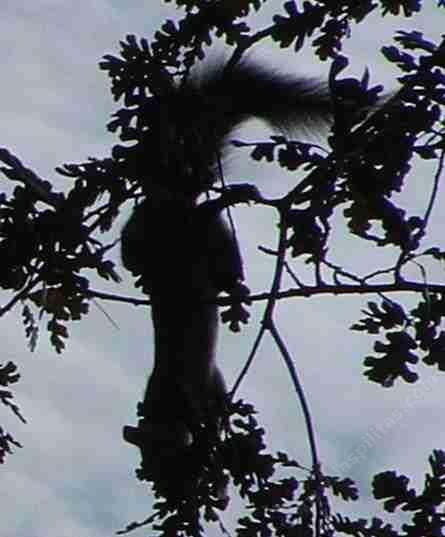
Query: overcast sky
x=75, y=475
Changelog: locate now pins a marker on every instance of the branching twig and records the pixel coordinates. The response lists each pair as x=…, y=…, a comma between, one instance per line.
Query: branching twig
x=269, y=324
x=118, y=298
x=19, y=296
x=403, y=286
x=248, y=42
x=307, y=416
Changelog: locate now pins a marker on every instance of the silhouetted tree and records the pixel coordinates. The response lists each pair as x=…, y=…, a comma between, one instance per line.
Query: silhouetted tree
x=48, y=239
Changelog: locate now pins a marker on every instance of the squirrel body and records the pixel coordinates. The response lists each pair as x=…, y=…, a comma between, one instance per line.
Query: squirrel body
x=184, y=252
x=184, y=265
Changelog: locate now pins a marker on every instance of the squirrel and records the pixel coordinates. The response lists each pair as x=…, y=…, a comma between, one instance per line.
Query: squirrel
x=182, y=249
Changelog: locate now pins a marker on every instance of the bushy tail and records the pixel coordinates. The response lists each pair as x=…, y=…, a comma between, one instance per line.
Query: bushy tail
x=287, y=103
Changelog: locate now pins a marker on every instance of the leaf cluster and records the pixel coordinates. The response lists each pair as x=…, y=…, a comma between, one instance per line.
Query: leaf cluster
x=425, y=508
x=47, y=241
x=275, y=505
x=409, y=334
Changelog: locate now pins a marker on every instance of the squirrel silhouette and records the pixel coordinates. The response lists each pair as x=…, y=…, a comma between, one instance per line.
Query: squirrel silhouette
x=184, y=252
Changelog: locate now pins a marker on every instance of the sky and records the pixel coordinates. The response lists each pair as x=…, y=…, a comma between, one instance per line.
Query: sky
x=75, y=475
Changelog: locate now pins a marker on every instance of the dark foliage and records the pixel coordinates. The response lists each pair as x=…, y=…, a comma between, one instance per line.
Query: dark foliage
x=8, y=375
x=425, y=507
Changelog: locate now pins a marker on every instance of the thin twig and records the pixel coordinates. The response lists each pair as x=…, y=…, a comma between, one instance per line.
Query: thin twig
x=435, y=189
x=107, y=315
x=91, y=293
x=307, y=417
x=293, y=276
x=403, y=286
x=18, y=172
x=137, y=525
x=248, y=363
x=379, y=272
x=224, y=186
